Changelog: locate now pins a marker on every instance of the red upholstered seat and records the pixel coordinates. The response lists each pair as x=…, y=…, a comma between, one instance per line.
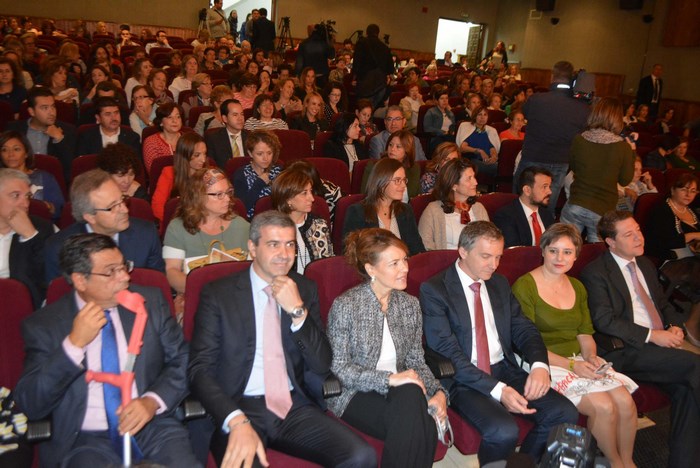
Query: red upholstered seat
x=494, y=201
x=516, y=261
x=423, y=266
x=53, y=166
x=419, y=203
x=296, y=144
x=358, y=170
x=506, y=164
x=333, y=170
x=589, y=252
x=320, y=143
x=332, y=276
x=16, y=305
x=340, y=209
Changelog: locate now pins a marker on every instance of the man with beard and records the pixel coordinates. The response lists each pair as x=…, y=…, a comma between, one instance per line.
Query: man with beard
x=522, y=222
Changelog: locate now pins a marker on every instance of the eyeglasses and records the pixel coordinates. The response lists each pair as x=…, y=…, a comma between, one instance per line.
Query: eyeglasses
x=127, y=267
x=124, y=201
x=221, y=195
x=689, y=190
x=393, y=119
x=400, y=180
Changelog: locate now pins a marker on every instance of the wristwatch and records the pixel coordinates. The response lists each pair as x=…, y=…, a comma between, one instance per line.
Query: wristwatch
x=297, y=311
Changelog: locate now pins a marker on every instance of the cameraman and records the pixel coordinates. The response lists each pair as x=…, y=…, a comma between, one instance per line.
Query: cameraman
x=553, y=119
x=315, y=52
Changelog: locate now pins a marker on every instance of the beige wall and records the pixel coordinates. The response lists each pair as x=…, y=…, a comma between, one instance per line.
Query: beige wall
x=598, y=36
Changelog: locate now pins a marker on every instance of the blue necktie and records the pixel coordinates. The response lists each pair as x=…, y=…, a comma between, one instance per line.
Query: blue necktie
x=112, y=394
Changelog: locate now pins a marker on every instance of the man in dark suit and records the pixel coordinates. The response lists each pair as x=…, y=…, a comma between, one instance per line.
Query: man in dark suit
x=522, y=222
x=22, y=236
x=635, y=331
x=108, y=130
x=264, y=32
x=471, y=317
x=229, y=141
x=257, y=385
x=650, y=89
x=70, y=336
x=46, y=134
x=99, y=206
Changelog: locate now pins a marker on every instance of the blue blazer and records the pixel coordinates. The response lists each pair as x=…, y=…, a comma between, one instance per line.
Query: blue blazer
x=448, y=328
x=139, y=243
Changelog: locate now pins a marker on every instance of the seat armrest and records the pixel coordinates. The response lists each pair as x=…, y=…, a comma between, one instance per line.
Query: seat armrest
x=38, y=431
x=439, y=365
x=191, y=409
x=331, y=387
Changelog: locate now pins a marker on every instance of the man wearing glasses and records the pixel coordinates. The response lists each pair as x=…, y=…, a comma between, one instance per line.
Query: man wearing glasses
x=22, y=236
x=99, y=206
x=393, y=122
x=88, y=330
x=161, y=41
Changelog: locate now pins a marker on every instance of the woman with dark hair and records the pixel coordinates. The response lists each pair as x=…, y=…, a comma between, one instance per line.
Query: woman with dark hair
x=123, y=164
x=141, y=69
x=285, y=100
x=375, y=332
x=292, y=193
x=201, y=85
x=443, y=153
x=629, y=117
x=143, y=108
x=262, y=119
x=55, y=77
x=439, y=121
x=321, y=187
x=252, y=67
x=498, y=56
x=158, y=81
x=557, y=304
x=400, y=146
x=382, y=207
x=16, y=153
x=364, y=112
x=169, y=120
x=307, y=80
x=455, y=205
x=335, y=101
x=345, y=144
x=183, y=81
x=97, y=74
x=11, y=89
x=205, y=214
x=311, y=120
x=248, y=86
x=99, y=55
x=190, y=156
x=680, y=157
x=25, y=79
x=514, y=132
x=480, y=142
x=253, y=181
x=600, y=159
x=265, y=80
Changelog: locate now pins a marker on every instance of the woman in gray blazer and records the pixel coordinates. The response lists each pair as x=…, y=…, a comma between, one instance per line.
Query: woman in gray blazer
x=375, y=331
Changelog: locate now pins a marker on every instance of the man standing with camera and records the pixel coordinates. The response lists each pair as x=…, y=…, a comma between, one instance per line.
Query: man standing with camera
x=216, y=20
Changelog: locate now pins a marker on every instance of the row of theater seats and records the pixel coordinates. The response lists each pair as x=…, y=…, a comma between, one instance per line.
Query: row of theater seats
x=333, y=276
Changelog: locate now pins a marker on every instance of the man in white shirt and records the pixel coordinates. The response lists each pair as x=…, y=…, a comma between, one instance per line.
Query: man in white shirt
x=394, y=121
x=650, y=89
x=635, y=330
x=161, y=41
x=471, y=317
x=108, y=130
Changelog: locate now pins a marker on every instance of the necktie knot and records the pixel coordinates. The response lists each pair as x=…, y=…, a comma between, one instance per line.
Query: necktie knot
x=268, y=291
x=476, y=287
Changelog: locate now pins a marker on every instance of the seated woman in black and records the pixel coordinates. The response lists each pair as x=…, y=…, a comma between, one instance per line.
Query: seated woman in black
x=345, y=144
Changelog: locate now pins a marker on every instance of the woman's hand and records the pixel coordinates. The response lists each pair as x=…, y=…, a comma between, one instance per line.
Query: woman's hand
x=586, y=369
x=406, y=377
x=439, y=401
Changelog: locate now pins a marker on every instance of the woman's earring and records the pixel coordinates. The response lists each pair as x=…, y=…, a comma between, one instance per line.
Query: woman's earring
x=372, y=279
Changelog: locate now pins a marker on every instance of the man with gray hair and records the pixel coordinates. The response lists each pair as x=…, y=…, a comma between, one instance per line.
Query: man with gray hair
x=22, y=236
x=393, y=122
x=256, y=350
x=99, y=206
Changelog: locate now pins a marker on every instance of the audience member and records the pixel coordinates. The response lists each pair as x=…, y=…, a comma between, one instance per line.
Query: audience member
x=141, y=70
x=285, y=100
x=248, y=86
x=480, y=142
x=364, y=111
x=211, y=120
x=410, y=105
x=514, y=132
x=489, y=384
x=345, y=144
x=99, y=206
x=439, y=121
x=523, y=221
x=383, y=206
x=321, y=187
x=183, y=81
x=658, y=158
x=229, y=377
x=70, y=335
x=444, y=152
x=557, y=305
x=455, y=206
x=262, y=119
x=143, y=108
x=394, y=121
x=372, y=65
x=120, y=162
x=108, y=130
x=230, y=140
x=311, y=120
x=650, y=89
x=253, y=181
x=169, y=121
x=400, y=146
x=11, y=89
x=600, y=159
x=375, y=332
x=635, y=330
x=681, y=159
x=161, y=42
x=22, y=236
x=334, y=100
x=641, y=183
x=307, y=83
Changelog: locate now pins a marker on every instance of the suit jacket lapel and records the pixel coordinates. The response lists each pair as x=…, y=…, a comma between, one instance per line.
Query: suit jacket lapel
x=522, y=223
x=619, y=283
x=458, y=303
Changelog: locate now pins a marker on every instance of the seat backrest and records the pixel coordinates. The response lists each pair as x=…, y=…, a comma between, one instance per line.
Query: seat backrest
x=168, y=214
x=196, y=280
x=358, y=171
x=516, y=261
x=495, y=116
x=6, y=114
x=506, y=164
x=319, y=207
x=233, y=164
x=494, y=201
x=39, y=208
x=333, y=170
x=333, y=276
x=195, y=112
x=500, y=126
x=320, y=143
x=157, y=167
x=589, y=252
x=341, y=209
x=185, y=95
x=423, y=266
x=140, y=208
x=83, y=163
x=421, y=116
x=15, y=306
x=67, y=112
x=419, y=204
x=53, y=166
x=296, y=144
x=643, y=206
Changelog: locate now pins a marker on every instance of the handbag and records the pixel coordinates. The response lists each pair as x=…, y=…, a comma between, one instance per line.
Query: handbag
x=217, y=255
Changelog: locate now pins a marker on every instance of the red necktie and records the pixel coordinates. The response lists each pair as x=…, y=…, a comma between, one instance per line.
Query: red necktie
x=656, y=323
x=277, y=396
x=483, y=356
x=536, y=228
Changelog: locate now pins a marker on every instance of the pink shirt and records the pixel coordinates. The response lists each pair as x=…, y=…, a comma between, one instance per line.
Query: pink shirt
x=95, y=417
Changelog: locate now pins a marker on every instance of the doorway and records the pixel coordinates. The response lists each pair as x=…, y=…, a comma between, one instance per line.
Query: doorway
x=462, y=38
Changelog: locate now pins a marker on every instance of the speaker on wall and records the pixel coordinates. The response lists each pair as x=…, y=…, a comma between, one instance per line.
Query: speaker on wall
x=544, y=5
x=631, y=4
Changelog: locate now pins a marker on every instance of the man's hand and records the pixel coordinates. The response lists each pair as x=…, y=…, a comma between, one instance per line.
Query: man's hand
x=243, y=445
x=286, y=293
x=537, y=384
x=20, y=223
x=666, y=338
x=515, y=402
x=55, y=132
x=136, y=414
x=87, y=324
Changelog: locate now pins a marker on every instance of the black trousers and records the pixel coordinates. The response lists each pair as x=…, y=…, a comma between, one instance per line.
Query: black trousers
x=305, y=433
x=498, y=429
x=401, y=420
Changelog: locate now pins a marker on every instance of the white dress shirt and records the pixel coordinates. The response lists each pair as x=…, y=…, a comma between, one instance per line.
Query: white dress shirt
x=641, y=316
x=528, y=215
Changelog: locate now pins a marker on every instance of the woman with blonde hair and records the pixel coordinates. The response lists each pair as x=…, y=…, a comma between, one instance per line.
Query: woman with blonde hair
x=311, y=120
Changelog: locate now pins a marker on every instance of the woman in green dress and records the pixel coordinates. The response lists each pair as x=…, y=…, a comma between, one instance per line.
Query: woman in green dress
x=557, y=304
